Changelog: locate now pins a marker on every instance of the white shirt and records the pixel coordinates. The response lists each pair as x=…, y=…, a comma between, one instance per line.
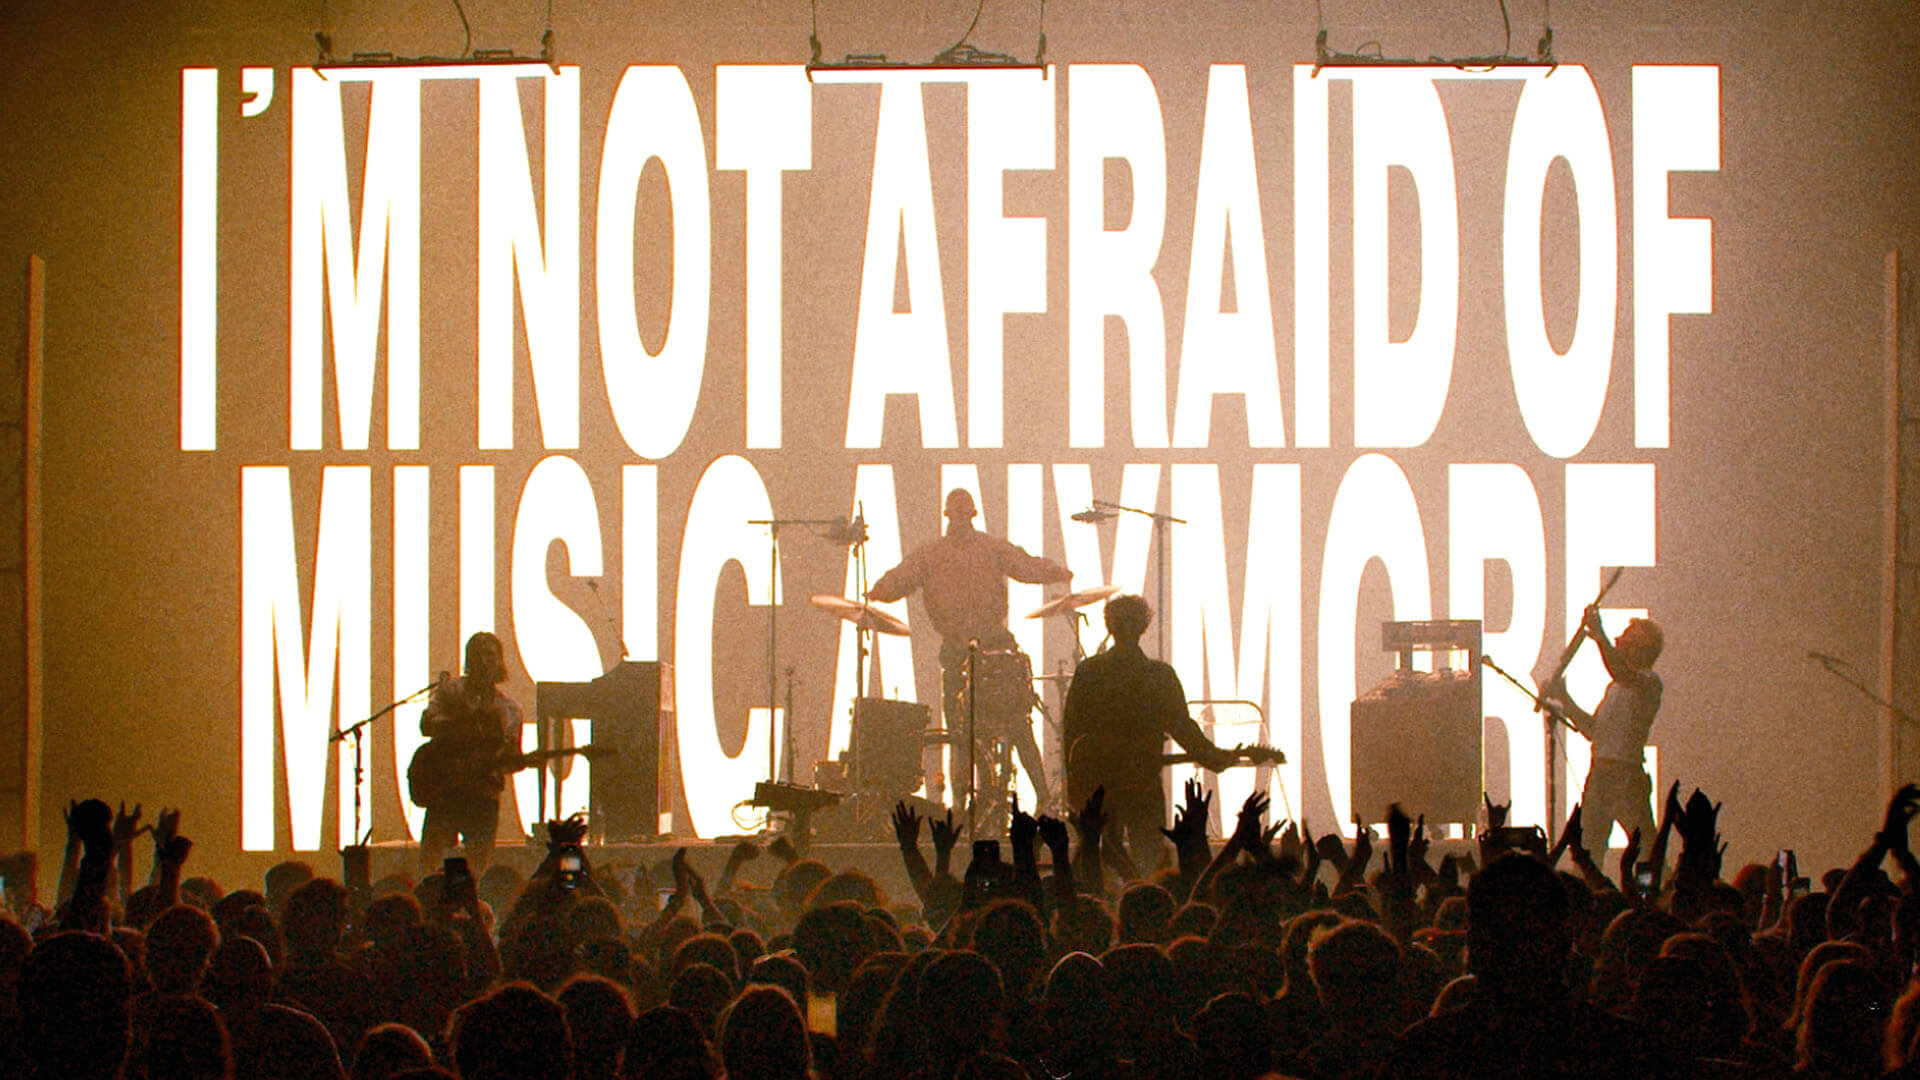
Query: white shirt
x=1624, y=718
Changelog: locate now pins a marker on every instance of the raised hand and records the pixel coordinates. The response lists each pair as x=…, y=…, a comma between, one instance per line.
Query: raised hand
x=1092, y=818
x=743, y=853
x=1053, y=833
x=945, y=834
x=906, y=825
x=1417, y=847
x=682, y=873
x=1628, y=859
x=1021, y=828
x=1400, y=827
x=1247, y=833
x=1362, y=847
x=571, y=831
x=1198, y=801
x=1590, y=618
x=1900, y=811
x=1572, y=837
x=1291, y=846
x=1496, y=812
x=127, y=826
x=1190, y=818
x=166, y=828
x=1269, y=834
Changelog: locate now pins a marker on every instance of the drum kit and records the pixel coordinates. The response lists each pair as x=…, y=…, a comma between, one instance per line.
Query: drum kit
x=888, y=737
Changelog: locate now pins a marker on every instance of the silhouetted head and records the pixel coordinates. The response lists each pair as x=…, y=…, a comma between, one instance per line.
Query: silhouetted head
x=1010, y=935
x=779, y=969
x=762, y=1037
x=183, y=1039
x=703, y=992
x=179, y=943
x=389, y=1050
x=832, y=941
x=282, y=879
x=1145, y=911
x=710, y=949
x=1357, y=969
x=960, y=1001
x=960, y=509
x=1641, y=642
x=668, y=1042
x=1128, y=617
x=240, y=974
x=1518, y=928
x=486, y=659
x=599, y=1017
x=1841, y=1027
x=1231, y=1034
x=514, y=1031
x=314, y=917
x=74, y=989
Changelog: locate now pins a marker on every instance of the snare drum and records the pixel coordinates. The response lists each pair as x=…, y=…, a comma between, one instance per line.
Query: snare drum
x=1002, y=687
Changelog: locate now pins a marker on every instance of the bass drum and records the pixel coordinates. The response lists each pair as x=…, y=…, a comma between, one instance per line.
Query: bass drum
x=1000, y=693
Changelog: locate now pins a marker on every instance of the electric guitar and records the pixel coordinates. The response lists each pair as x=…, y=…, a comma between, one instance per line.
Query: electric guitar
x=1088, y=764
x=444, y=770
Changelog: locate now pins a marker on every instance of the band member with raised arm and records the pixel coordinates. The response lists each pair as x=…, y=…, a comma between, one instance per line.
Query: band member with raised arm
x=1121, y=708
x=962, y=577
x=1618, y=788
x=457, y=777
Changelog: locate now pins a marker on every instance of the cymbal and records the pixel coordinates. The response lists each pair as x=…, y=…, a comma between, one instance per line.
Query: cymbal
x=1060, y=605
x=864, y=616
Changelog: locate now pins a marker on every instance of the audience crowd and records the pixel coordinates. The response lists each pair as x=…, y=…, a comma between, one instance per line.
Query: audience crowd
x=1273, y=953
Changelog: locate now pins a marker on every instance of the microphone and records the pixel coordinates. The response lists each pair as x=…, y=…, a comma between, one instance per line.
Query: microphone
x=1817, y=655
x=1091, y=515
x=849, y=531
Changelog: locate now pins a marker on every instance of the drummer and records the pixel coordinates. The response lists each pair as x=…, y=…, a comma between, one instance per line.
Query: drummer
x=962, y=576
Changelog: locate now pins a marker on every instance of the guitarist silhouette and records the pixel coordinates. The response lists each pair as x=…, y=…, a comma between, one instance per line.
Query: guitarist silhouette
x=457, y=776
x=1121, y=708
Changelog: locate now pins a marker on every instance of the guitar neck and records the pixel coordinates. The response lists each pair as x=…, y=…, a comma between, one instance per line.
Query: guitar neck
x=1245, y=757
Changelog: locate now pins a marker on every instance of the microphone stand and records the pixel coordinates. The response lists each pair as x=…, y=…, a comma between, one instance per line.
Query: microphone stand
x=1160, y=523
x=358, y=732
x=1549, y=713
x=1833, y=664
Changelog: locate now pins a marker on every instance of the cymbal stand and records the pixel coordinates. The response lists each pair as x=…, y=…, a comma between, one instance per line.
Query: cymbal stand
x=1160, y=523
x=857, y=537
x=973, y=738
x=773, y=526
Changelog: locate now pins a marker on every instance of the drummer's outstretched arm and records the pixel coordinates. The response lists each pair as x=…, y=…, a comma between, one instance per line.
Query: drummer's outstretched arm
x=1017, y=564
x=896, y=583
